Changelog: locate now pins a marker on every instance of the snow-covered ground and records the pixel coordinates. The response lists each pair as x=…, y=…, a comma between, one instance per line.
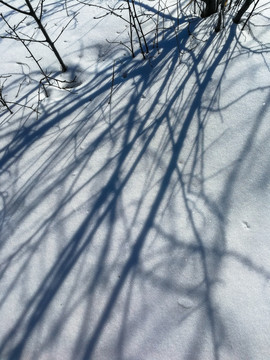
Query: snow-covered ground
x=135, y=207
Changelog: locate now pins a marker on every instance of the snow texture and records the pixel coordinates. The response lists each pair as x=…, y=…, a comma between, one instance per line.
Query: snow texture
x=134, y=208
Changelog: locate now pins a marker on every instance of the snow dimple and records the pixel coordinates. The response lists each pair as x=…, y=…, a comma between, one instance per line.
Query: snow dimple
x=185, y=303
x=5, y=194
x=246, y=225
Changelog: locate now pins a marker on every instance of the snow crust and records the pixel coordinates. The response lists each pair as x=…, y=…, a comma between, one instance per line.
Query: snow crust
x=134, y=208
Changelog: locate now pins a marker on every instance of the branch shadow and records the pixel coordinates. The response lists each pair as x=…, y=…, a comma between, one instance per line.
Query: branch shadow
x=107, y=212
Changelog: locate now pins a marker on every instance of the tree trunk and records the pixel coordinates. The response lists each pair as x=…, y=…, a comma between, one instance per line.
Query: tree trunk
x=211, y=7
x=242, y=10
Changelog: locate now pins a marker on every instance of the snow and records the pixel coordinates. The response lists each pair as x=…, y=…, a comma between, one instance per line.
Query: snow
x=134, y=207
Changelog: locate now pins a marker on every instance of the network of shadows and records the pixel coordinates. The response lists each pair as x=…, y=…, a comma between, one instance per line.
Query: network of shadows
x=108, y=252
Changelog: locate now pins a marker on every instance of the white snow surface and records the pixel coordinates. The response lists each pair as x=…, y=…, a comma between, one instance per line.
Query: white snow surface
x=135, y=207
